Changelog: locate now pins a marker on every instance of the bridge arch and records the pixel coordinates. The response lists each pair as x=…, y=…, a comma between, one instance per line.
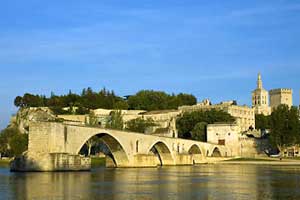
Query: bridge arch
x=196, y=153
x=117, y=152
x=216, y=152
x=194, y=149
x=162, y=151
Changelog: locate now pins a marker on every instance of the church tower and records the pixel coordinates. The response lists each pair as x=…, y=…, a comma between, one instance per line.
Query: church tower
x=260, y=98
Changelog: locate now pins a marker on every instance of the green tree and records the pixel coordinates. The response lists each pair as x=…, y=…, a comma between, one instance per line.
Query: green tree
x=262, y=121
x=116, y=120
x=30, y=100
x=199, y=132
x=139, y=125
x=18, y=144
x=121, y=105
x=158, y=100
x=148, y=100
x=12, y=142
x=285, y=126
x=18, y=101
x=187, y=122
x=186, y=99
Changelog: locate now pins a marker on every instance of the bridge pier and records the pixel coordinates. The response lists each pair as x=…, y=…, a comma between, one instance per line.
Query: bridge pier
x=52, y=162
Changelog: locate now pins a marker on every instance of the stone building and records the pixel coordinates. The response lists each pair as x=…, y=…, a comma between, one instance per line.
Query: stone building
x=245, y=117
x=260, y=98
x=235, y=140
x=281, y=96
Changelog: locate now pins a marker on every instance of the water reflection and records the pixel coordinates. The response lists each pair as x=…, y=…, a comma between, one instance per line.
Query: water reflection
x=51, y=185
x=198, y=182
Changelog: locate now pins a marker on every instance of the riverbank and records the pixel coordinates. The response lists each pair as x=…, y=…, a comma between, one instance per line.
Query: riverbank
x=4, y=162
x=262, y=161
x=97, y=162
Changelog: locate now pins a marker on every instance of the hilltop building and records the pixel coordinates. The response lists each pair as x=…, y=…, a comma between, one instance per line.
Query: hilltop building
x=281, y=96
x=245, y=117
x=260, y=98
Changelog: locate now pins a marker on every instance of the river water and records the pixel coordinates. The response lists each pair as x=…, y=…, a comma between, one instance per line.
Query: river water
x=184, y=182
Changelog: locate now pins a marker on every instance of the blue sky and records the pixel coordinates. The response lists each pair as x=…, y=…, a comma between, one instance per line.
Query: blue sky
x=212, y=49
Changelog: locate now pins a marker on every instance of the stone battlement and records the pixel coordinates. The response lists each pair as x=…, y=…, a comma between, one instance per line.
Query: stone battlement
x=280, y=90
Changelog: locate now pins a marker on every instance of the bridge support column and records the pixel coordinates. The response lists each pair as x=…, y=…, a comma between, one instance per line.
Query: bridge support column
x=52, y=162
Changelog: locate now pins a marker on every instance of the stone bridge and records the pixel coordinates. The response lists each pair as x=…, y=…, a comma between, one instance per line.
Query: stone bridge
x=56, y=146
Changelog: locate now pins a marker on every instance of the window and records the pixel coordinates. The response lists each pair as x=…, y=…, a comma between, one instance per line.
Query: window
x=137, y=146
x=228, y=134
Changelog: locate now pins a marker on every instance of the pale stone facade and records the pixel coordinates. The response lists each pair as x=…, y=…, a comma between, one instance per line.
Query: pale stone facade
x=281, y=96
x=236, y=141
x=245, y=117
x=260, y=99
x=225, y=134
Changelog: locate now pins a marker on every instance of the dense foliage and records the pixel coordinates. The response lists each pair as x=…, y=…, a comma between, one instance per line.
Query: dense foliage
x=12, y=142
x=157, y=100
x=116, y=121
x=193, y=125
x=199, y=131
x=89, y=99
x=285, y=126
x=139, y=125
x=262, y=122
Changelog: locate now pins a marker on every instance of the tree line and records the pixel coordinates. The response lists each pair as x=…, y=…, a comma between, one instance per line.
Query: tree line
x=88, y=99
x=284, y=126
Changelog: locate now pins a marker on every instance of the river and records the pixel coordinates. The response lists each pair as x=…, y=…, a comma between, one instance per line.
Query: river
x=184, y=182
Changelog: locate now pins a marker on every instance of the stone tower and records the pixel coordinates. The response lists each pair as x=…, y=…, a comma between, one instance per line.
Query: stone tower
x=281, y=96
x=260, y=98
